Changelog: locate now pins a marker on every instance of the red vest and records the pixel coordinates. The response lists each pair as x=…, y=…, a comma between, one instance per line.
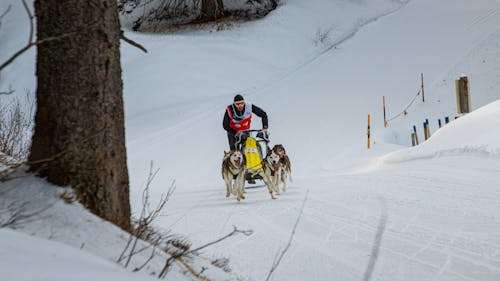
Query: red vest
x=243, y=123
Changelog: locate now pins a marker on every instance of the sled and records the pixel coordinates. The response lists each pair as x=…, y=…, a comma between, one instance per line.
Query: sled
x=249, y=143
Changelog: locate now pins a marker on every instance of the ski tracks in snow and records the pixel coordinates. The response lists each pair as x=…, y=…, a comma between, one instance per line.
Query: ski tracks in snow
x=450, y=237
x=482, y=19
x=449, y=252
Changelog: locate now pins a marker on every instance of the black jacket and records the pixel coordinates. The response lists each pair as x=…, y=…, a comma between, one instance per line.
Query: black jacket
x=255, y=109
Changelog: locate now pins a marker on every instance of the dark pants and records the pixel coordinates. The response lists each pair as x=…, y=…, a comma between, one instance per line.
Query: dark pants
x=232, y=141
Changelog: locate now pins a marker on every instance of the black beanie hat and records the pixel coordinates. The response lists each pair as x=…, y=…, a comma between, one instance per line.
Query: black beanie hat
x=238, y=98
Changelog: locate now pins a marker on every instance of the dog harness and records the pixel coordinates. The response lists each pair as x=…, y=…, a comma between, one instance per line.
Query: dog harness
x=240, y=122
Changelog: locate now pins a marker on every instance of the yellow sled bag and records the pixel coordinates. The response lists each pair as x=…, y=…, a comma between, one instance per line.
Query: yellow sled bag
x=252, y=155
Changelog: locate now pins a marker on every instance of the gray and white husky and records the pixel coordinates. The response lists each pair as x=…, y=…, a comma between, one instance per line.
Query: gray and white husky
x=233, y=173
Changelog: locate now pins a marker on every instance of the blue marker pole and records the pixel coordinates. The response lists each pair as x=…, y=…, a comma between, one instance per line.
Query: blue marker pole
x=446, y=120
x=439, y=123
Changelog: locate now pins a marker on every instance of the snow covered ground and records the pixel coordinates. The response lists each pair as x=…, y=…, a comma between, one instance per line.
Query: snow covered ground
x=318, y=68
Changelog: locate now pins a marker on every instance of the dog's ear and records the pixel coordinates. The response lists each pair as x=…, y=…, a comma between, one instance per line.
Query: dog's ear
x=225, y=153
x=281, y=147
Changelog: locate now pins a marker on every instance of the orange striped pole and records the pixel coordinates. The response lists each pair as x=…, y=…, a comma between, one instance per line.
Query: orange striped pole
x=368, y=132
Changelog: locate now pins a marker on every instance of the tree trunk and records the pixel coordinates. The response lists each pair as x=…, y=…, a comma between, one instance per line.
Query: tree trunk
x=79, y=124
x=211, y=10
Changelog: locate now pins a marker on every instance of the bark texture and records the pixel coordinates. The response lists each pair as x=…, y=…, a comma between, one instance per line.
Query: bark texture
x=80, y=119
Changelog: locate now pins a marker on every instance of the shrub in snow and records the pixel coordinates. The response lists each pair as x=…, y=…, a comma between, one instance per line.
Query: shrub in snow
x=249, y=9
x=16, y=128
x=152, y=15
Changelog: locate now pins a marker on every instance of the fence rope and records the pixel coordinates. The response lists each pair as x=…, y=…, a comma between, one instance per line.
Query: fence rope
x=405, y=110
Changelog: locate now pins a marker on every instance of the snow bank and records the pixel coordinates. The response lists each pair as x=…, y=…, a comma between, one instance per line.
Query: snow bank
x=68, y=239
x=48, y=260
x=474, y=133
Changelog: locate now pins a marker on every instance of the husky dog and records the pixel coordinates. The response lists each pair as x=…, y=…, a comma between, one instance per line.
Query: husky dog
x=268, y=181
x=272, y=169
x=278, y=166
x=233, y=173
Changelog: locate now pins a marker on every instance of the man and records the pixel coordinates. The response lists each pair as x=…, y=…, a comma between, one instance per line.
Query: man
x=238, y=118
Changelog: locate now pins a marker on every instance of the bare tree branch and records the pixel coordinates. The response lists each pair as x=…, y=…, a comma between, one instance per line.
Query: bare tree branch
x=376, y=241
x=153, y=254
x=42, y=41
x=187, y=251
x=17, y=215
x=235, y=231
x=132, y=42
x=277, y=261
x=32, y=43
x=32, y=21
x=192, y=270
x=16, y=125
x=143, y=228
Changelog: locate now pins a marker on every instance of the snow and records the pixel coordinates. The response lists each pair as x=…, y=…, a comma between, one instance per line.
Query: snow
x=465, y=135
x=45, y=258
x=318, y=68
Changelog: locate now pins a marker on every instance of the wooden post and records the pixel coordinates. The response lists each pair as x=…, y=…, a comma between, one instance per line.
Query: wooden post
x=385, y=120
x=428, y=128
x=425, y=131
x=413, y=142
x=422, y=79
x=463, y=95
x=416, y=135
x=368, y=132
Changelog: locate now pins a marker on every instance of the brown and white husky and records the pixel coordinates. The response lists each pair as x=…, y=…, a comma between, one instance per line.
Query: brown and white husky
x=277, y=166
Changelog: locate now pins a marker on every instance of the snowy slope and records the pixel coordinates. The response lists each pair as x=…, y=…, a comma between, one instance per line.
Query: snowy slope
x=260, y=59
x=440, y=200
x=441, y=211
x=45, y=258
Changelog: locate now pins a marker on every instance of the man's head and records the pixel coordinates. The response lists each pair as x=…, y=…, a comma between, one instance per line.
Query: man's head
x=239, y=102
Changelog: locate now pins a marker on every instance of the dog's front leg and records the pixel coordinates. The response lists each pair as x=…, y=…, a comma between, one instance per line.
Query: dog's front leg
x=228, y=180
x=239, y=186
x=276, y=179
x=283, y=178
x=269, y=183
x=268, y=177
x=234, y=189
